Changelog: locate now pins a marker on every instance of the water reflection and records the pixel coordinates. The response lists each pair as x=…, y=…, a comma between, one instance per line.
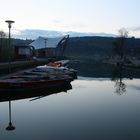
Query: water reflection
x=90, y=111
x=32, y=94
x=10, y=126
x=117, y=77
x=14, y=95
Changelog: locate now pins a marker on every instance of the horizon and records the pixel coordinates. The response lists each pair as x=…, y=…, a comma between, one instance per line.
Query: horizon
x=90, y=16
x=34, y=33
x=74, y=35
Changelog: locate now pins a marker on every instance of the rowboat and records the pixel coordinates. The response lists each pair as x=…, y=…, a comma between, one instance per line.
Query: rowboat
x=38, y=78
x=28, y=81
x=57, y=70
x=59, y=67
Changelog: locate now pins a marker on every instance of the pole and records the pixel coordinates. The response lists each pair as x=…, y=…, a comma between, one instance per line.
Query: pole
x=9, y=46
x=45, y=47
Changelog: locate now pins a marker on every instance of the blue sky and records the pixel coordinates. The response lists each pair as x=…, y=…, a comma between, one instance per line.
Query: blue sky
x=97, y=16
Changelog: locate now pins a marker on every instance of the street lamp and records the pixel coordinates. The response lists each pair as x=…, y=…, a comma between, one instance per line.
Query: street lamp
x=45, y=45
x=9, y=56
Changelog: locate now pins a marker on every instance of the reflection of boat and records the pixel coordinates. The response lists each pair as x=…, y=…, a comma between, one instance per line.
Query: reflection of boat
x=9, y=96
x=16, y=94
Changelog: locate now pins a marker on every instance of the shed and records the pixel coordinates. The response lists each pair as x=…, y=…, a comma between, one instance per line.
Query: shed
x=50, y=46
x=23, y=52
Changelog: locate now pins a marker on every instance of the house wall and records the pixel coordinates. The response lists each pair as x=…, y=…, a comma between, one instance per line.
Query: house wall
x=23, y=52
x=49, y=52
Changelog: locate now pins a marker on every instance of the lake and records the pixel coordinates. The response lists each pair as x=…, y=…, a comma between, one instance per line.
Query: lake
x=94, y=109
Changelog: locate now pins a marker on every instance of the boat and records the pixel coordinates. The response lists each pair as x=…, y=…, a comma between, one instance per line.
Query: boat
x=57, y=67
x=56, y=70
x=29, y=80
x=59, y=63
x=38, y=78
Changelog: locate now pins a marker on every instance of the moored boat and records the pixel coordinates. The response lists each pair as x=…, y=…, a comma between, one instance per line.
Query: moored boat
x=30, y=81
x=56, y=70
x=38, y=78
x=57, y=67
x=59, y=63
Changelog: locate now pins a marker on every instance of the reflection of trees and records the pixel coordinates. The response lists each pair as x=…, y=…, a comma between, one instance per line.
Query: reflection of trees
x=120, y=87
x=117, y=77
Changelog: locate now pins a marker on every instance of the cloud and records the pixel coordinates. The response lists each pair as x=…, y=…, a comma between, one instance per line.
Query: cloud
x=137, y=28
x=35, y=33
x=74, y=25
x=64, y=24
x=57, y=21
x=134, y=29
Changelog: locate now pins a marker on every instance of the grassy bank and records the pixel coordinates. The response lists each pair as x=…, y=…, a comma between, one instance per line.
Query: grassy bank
x=20, y=65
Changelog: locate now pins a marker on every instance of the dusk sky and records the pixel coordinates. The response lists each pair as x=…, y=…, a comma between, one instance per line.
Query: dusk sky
x=97, y=16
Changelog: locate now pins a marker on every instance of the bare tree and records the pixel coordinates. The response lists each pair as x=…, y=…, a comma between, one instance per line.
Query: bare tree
x=2, y=36
x=119, y=44
x=123, y=33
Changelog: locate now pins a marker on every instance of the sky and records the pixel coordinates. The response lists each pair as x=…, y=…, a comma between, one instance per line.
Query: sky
x=95, y=16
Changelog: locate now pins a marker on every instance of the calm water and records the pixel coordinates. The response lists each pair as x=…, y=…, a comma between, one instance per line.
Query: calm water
x=94, y=109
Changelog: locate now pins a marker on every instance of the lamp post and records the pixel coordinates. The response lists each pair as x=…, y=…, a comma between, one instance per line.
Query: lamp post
x=9, y=54
x=45, y=46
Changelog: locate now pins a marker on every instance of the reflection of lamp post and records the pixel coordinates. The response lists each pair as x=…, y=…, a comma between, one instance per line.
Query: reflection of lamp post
x=9, y=56
x=10, y=127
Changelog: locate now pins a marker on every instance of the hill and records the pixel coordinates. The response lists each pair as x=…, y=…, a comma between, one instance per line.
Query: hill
x=99, y=46
x=93, y=45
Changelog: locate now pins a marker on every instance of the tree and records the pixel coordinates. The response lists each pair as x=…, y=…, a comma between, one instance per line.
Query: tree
x=119, y=44
x=2, y=35
x=3, y=46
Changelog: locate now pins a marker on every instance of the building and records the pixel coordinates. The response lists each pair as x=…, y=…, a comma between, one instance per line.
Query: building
x=24, y=52
x=50, y=46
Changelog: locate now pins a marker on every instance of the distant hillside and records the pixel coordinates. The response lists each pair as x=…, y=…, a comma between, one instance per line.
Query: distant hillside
x=99, y=46
x=21, y=41
x=34, y=33
x=88, y=54
x=88, y=46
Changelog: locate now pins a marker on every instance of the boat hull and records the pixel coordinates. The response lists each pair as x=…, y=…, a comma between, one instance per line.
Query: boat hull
x=32, y=85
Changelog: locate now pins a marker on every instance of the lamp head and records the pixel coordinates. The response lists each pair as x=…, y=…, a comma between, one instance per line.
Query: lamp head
x=9, y=22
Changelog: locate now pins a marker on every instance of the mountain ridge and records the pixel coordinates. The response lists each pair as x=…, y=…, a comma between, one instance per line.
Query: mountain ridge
x=35, y=33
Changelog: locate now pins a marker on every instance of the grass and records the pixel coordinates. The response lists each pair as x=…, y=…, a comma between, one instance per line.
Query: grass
x=21, y=65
